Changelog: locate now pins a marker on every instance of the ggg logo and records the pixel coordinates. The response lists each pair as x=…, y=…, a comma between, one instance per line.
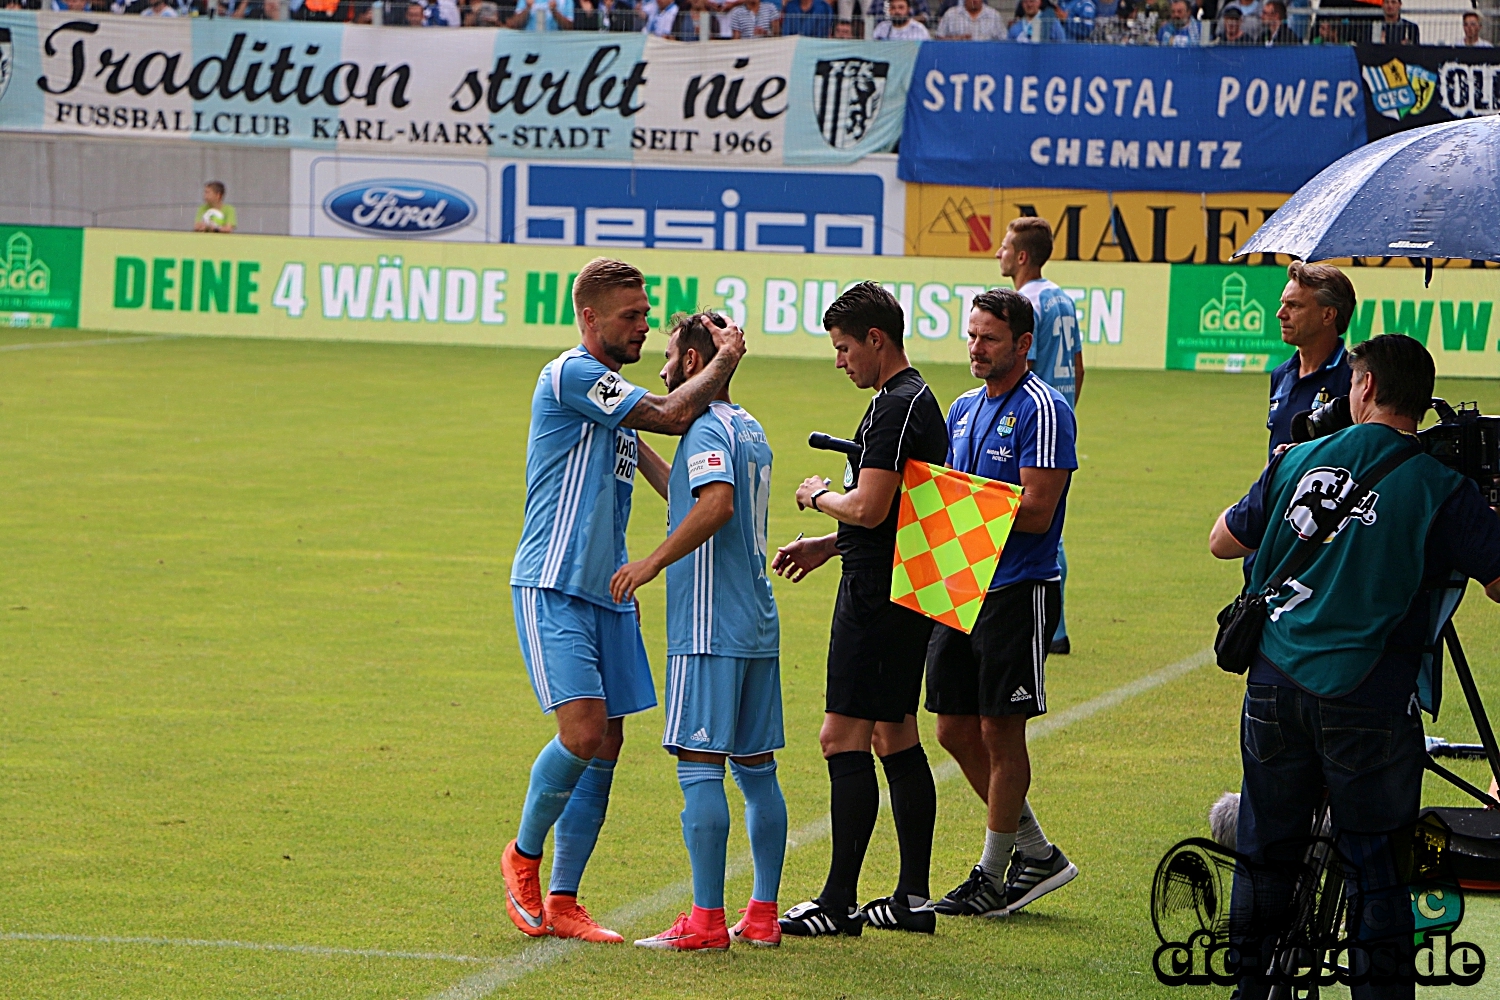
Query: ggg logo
x=1233, y=311
x=399, y=207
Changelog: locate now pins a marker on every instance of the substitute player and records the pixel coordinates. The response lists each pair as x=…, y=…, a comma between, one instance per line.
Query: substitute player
x=582, y=648
x=1057, y=344
x=876, y=649
x=985, y=685
x=723, y=649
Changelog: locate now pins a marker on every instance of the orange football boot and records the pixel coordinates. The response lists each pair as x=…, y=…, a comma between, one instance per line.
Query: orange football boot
x=759, y=925
x=566, y=918
x=523, y=891
x=703, y=931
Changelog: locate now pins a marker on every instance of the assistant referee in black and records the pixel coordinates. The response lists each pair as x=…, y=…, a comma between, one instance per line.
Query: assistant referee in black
x=877, y=649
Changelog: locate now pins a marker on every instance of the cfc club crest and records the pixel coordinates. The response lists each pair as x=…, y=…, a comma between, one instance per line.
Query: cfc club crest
x=1316, y=497
x=1399, y=89
x=7, y=60
x=846, y=98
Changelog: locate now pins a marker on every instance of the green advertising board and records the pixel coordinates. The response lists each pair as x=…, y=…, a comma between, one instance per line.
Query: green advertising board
x=1223, y=319
x=40, y=271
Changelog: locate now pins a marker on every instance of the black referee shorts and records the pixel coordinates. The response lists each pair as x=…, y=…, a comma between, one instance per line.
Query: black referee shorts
x=875, y=652
x=998, y=669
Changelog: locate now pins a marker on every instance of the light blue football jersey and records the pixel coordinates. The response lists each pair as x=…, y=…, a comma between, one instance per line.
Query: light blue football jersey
x=719, y=601
x=580, y=473
x=1055, y=336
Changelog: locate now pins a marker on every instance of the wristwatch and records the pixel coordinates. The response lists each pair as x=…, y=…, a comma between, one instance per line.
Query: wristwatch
x=813, y=501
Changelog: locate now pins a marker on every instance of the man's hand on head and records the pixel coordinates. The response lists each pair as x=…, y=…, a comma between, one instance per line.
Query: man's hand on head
x=729, y=339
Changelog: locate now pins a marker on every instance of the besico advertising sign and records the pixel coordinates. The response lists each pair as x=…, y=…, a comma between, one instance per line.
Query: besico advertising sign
x=857, y=210
x=441, y=292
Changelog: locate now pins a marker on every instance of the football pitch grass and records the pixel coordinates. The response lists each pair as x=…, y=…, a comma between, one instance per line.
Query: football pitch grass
x=264, y=727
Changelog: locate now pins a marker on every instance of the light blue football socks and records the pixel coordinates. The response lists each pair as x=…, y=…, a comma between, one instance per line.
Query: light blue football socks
x=765, y=820
x=553, y=777
x=705, y=829
x=578, y=826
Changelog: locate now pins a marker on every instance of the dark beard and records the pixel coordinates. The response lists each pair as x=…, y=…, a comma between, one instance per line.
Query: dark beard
x=901, y=22
x=620, y=355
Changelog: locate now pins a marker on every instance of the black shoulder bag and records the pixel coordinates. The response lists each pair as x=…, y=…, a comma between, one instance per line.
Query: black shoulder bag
x=1243, y=620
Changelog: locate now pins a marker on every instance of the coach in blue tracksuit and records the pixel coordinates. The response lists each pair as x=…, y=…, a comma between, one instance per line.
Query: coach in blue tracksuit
x=1331, y=700
x=1316, y=307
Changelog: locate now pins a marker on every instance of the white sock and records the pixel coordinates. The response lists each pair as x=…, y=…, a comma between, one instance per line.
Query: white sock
x=996, y=856
x=1032, y=842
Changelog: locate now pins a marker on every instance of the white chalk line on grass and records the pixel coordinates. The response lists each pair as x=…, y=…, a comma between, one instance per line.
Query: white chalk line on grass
x=82, y=343
x=301, y=949
x=548, y=950
x=502, y=972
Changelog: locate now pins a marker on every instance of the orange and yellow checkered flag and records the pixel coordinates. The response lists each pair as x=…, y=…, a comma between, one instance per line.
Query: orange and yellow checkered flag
x=949, y=536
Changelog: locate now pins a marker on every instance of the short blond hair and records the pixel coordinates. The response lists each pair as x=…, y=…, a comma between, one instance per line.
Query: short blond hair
x=1033, y=234
x=602, y=275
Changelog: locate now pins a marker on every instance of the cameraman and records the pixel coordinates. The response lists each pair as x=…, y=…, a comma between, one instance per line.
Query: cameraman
x=1331, y=697
x=1316, y=307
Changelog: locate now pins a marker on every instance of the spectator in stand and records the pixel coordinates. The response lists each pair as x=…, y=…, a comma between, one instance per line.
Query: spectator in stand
x=606, y=15
x=843, y=31
x=1472, y=27
x=1395, y=29
x=809, y=18
x=659, y=17
x=159, y=8
x=1077, y=17
x=1182, y=30
x=754, y=19
x=901, y=25
x=688, y=19
x=1249, y=16
x=1232, y=29
x=973, y=21
x=1273, y=29
x=1327, y=33
x=543, y=15
x=1033, y=24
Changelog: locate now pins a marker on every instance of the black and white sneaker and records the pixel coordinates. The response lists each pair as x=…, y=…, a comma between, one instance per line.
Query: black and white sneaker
x=891, y=914
x=810, y=919
x=1029, y=879
x=977, y=897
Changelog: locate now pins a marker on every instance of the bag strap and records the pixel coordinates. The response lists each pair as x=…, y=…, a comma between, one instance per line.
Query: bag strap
x=1303, y=553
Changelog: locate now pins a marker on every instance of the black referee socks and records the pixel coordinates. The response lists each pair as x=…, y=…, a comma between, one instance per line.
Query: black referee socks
x=854, y=802
x=914, y=808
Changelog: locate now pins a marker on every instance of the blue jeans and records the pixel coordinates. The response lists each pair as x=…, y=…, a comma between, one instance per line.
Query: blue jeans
x=1293, y=746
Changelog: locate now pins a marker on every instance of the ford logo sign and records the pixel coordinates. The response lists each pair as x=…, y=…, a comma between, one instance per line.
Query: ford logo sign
x=399, y=208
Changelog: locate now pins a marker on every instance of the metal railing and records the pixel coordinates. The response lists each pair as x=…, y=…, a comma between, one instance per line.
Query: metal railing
x=1119, y=23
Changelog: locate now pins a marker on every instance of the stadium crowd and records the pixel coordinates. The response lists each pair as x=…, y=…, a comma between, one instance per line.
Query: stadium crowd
x=1176, y=23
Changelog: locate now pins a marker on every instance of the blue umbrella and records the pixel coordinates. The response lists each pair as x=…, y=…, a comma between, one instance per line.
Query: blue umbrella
x=1428, y=192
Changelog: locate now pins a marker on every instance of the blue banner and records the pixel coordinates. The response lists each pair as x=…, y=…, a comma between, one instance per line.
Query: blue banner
x=1099, y=117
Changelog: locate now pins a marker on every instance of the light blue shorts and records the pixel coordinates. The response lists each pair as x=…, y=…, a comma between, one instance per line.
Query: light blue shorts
x=577, y=649
x=724, y=704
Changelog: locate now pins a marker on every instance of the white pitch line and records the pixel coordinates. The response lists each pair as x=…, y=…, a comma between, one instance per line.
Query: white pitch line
x=82, y=343
x=301, y=949
x=545, y=952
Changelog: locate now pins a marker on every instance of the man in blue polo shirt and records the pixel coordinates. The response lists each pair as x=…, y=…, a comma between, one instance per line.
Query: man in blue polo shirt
x=983, y=686
x=1315, y=311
